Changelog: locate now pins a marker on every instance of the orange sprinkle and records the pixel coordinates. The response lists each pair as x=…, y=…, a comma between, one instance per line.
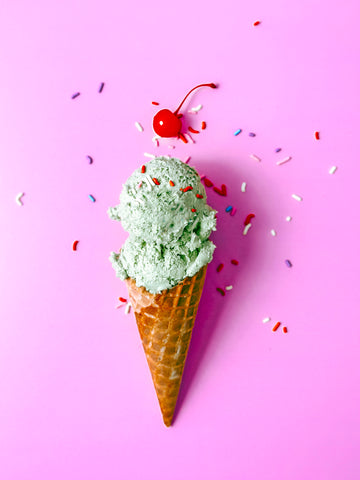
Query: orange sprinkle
x=122, y=299
x=172, y=184
x=156, y=181
x=203, y=125
x=199, y=196
x=317, y=135
x=285, y=329
x=143, y=169
x=75, y=244
x=234, y=262
x=155, y=103
x=208, y=183
x=221, y=291
x=193, y=209
x=181, y=136
x=192, y=130
x=276, y=326
x=186, y=189
x=220, y=267
x=256, y=23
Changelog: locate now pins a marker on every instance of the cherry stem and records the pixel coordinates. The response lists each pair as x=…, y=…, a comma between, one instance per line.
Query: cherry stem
x=211, y=85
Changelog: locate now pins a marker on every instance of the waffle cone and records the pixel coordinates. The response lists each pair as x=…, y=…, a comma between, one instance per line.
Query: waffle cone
x=165, y=322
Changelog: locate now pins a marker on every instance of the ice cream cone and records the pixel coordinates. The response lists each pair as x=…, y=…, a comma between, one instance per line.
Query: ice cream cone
x=165, y=322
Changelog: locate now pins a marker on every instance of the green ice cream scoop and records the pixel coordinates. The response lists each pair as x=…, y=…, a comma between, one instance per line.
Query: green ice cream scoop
x=163, y=207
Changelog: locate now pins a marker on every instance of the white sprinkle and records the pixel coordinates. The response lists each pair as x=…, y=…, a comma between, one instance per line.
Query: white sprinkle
x=139, y=126
x=192, y=112
x=332, y=170
x=267, y=319
x=296, y=197
x=187, y=135
x=149, y=181
x=171, y=146
x=18, y=199
x=156, y=141
x=243, y=187
x=287, y=159
x=247, y=228
x=288, y=218
x=229, y=287
x=197, y=109
x=273, y=233
x=127, y=309
x=187, y=160
x=255, y=157
x=149, y=155
x=121, y=305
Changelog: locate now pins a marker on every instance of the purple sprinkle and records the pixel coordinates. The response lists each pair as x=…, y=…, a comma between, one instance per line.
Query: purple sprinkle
x=233, y=211
x=101, y=87
x=278, y=150
x=288, y=263
x=75, y=95
x=252, y=134
x=90, y=159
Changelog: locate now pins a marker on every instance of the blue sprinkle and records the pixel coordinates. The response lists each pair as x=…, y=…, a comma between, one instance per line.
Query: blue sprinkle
x=90, y=159
x=237, y=132
x=75, y=95
x=288, y=263
x=92, y=198
x=251, y=134
x=228, y=209
x=278, y=150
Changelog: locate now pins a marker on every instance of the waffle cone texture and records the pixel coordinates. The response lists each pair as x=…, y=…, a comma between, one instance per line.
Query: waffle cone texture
x=165, y=322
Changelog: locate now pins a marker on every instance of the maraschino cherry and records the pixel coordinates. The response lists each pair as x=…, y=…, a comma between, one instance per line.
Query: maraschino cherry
x=167, y=123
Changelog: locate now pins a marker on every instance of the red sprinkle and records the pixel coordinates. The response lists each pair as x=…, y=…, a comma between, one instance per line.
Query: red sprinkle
x=75, y=244
x=192, y=130
x=172, y=184
x=220, y=267
x=256, y=23
x=156, y=181
x=220, y=290
x=203, y=125
x=143, y=169
x=248, y=218
x=181, y=136
x=317, y=135
x=186, y=189
x=285, y=329
x=122, y=299
x=193, y=209
x=221, y=192
x=276, y=326
x=155, y=103
x=234, y=262
x=208, y=183
x=199, y=196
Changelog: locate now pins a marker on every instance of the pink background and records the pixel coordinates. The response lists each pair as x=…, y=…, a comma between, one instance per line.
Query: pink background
x=76, y=397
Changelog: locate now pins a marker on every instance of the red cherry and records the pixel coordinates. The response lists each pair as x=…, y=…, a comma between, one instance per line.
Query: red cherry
x=168, y=124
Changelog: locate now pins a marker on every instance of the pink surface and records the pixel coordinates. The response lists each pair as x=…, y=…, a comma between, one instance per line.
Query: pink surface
x=76, y=400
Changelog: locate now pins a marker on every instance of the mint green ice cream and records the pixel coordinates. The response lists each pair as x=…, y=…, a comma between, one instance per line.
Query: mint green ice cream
x=168, y=227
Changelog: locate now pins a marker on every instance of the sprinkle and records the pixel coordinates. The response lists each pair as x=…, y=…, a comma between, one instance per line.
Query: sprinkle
x=156, y=181
x=197, y=109
x=252, y=134
x=208, y=183
x=187, y=160
x=256, y=23
x=276, y=326
x=255, y=157
x=148, y=181
x=243, y=187
x=297, y=197
x=220, y=290
x=273, y=233
x=277, y=150
x=332, y=170
x=149, y=155
x=90, y=159
x=139, y=126
x=228, y=209
x=92, y=198
x=236, y=133
x=247, y=228
x=286, y=159
x=202, y=177
x=74, y=247
x=189, y=137
x=233, y=211
x=199, y=196
x=18, y=198
x=171, y=146
x=317, y=135
x=119, y=306
x=288, y=263
x=288, y=218
x=156, y=141
x=122, y=299
x=193, y=209
x=127, y=309
x=266, y=320
x=102, y=85
x=203, y=125
x=221, y=192
x=234, y=262
x=143, y=169
x=285, y=329
x=183, y=138
x=155, y=103
x=172, y=184
x=220, y=267
x=186, y=189
x=192, y=130
x=229, y=287
x=75, y=95
x=249, y=218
